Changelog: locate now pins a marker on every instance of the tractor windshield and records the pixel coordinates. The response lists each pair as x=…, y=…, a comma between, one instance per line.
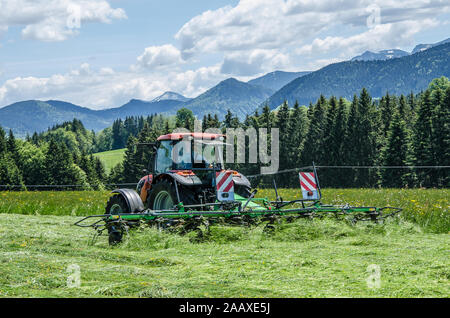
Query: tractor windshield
x=188, y=154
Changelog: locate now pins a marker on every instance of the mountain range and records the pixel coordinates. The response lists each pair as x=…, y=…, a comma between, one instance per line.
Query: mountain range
x=396, y=71
x=396, y=76
x=395, y=53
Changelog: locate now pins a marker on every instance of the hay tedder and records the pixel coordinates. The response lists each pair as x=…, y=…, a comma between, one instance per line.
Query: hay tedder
x=189, y=187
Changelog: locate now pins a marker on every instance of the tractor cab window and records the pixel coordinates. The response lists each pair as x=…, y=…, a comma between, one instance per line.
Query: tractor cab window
x=208, y=152
x=187, y=154
x=164, y=157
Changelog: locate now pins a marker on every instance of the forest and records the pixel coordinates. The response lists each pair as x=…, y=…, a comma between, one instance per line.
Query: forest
x=411, y=130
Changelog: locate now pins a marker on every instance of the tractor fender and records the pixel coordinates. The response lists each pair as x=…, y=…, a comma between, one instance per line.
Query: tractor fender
x=133, y=199
x=241, y=181
x=187, y=181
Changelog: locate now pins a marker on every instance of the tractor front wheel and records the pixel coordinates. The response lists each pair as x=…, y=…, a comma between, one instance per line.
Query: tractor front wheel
x=116, y=205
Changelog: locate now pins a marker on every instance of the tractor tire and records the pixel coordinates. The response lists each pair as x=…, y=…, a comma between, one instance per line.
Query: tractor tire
x=243, y=191
x=114, y=237
x=163, y=196
x=116, y=205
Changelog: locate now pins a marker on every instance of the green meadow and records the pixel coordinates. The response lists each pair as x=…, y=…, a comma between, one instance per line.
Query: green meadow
x=39, y=247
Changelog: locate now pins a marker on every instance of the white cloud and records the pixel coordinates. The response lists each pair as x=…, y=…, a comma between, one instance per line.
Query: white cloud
x=157, y=57
x=270, y=24
x=253, y=37
x=106, y=88
x=254, y=62
x=55, y=20
x=391, y=35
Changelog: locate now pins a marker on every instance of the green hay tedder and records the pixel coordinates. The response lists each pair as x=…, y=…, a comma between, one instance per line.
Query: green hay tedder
x=189, y=187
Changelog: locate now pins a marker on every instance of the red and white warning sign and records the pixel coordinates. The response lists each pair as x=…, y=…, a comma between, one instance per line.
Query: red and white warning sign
x=309, y=185
x=225, y=185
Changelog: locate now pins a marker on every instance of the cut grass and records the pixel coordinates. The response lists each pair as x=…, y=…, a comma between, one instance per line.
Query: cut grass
x=307, y=258
x=111, y=158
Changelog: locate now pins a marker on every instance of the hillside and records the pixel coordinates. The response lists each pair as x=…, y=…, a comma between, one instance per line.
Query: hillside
x=276, y=80
x=45, y=114
x=241, y=98
x=398, y=76
x=136, y=107
x=30, y=116
x=111, y=158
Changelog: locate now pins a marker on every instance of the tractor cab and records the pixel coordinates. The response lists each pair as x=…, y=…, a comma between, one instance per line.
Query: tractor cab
x=185, y=167
x=188, y=152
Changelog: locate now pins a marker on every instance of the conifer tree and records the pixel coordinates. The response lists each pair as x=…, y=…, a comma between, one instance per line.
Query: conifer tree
x=422, y=138
x=395, y=152
x=2, y=142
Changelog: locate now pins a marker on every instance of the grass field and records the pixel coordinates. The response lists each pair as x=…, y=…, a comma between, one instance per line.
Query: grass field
x=111, y=158
x=307, y=258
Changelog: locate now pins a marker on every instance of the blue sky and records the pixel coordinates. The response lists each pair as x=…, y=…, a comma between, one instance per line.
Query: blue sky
x=102, y=53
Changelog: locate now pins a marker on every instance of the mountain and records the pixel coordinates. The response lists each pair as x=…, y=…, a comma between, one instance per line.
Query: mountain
x=30, y=116
x=380, y=55
x=240, y=97
x=137, y=107
x=36, y=116
x=398, y=76
x=423, y=47
x=171, y=96
x=276, y=80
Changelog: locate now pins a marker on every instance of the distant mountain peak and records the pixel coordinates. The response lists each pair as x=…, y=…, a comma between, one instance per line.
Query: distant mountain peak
x=380, y=55
x=170, y=96
x=423, y=47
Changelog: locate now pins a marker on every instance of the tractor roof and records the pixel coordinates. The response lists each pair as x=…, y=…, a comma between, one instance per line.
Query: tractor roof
x=179, y=136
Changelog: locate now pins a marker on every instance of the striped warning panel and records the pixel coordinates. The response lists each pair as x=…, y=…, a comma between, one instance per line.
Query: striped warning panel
x=308, y=181
x=224, y=181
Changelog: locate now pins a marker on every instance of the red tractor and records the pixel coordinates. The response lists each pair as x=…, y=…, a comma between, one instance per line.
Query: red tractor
x=184, y=170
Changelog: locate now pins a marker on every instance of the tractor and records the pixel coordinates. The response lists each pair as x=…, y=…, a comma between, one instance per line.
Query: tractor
x=183, y=170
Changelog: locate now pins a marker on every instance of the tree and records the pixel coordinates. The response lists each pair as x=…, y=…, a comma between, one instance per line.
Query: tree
x=60, y=169
x=185, y=119
x=337, y=130
x=2, y=142
x=422, y=154
x=366, y=144
x=118, y=135
x=10, y=174
x=11, y=147
x=387, y=107
x=395, y=152
x=441, y=135
x=314, y=144
x=282, y=120
x=298, y=128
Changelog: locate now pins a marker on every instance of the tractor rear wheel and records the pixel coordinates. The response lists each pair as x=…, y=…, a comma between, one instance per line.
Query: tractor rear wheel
x=162, y=196
x=243, y=191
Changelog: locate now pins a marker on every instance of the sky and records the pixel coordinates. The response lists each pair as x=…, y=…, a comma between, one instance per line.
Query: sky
x=100, y=54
